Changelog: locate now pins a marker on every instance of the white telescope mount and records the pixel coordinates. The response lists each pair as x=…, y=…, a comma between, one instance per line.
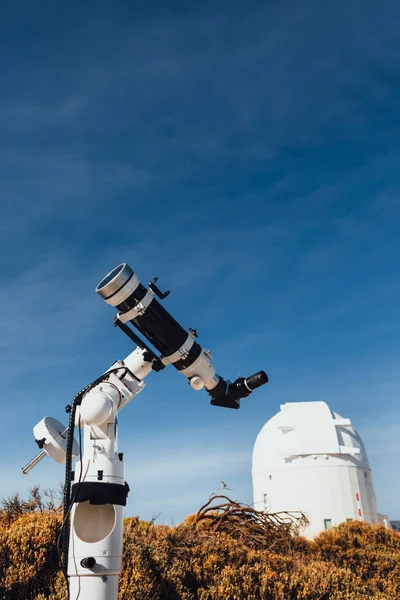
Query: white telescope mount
x=98, y=495
x=95, y=494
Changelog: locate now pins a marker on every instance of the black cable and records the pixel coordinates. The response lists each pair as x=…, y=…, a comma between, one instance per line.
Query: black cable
x=68, y=502
x=61, y=536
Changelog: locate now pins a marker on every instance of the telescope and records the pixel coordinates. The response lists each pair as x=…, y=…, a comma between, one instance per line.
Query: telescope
x=137, y=305
x=95, y=493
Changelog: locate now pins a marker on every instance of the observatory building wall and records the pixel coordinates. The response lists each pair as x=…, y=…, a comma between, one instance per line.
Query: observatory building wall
x=310, y=459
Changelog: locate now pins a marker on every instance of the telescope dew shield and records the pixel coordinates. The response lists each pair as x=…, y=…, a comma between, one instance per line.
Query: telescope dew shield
x=122, y=289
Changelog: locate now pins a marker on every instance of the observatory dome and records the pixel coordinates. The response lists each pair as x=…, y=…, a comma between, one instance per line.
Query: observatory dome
x=308, y=458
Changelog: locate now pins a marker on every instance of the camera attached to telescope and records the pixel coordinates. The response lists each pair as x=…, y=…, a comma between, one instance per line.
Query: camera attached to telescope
x=138, y=306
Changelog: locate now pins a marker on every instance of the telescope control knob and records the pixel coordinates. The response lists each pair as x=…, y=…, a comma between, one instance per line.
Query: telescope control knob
x=197, y=383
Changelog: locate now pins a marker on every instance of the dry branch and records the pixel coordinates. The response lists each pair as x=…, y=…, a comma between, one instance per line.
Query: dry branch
x=255, y=528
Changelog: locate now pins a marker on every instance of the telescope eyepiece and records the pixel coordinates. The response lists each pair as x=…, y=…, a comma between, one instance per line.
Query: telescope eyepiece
x=257, y=380
x=242, y=387
x=229, y=395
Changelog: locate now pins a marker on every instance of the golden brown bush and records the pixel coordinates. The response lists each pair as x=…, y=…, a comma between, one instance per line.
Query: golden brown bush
x=354, y=561
x=28, y=559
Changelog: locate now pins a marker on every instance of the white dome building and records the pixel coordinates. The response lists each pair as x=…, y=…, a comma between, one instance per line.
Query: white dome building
x=310, y=459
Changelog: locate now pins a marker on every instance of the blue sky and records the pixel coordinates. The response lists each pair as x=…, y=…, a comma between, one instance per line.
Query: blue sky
x=247, y=154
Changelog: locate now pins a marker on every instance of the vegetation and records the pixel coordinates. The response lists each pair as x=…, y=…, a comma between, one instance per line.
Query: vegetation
x=217, y=554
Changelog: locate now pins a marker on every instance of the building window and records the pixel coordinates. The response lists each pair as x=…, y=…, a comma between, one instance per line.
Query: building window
x=365, y=474
x=265, y=501
x=270, y=476
x=327, y=523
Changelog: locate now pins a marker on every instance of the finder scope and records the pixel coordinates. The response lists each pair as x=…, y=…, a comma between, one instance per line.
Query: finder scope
x=137, y=305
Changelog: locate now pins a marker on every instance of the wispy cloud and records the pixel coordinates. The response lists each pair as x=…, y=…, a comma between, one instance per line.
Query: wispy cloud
x=175, y=472
x=381, y=437
x=37, y=303
x=247, y=156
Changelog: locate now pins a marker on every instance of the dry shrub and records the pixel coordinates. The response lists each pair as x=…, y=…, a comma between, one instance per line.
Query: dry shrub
x=190, y=562
x=370, y=551
x=256, y=528
x=38, y=500
x=28, y=558
x=354, y=561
